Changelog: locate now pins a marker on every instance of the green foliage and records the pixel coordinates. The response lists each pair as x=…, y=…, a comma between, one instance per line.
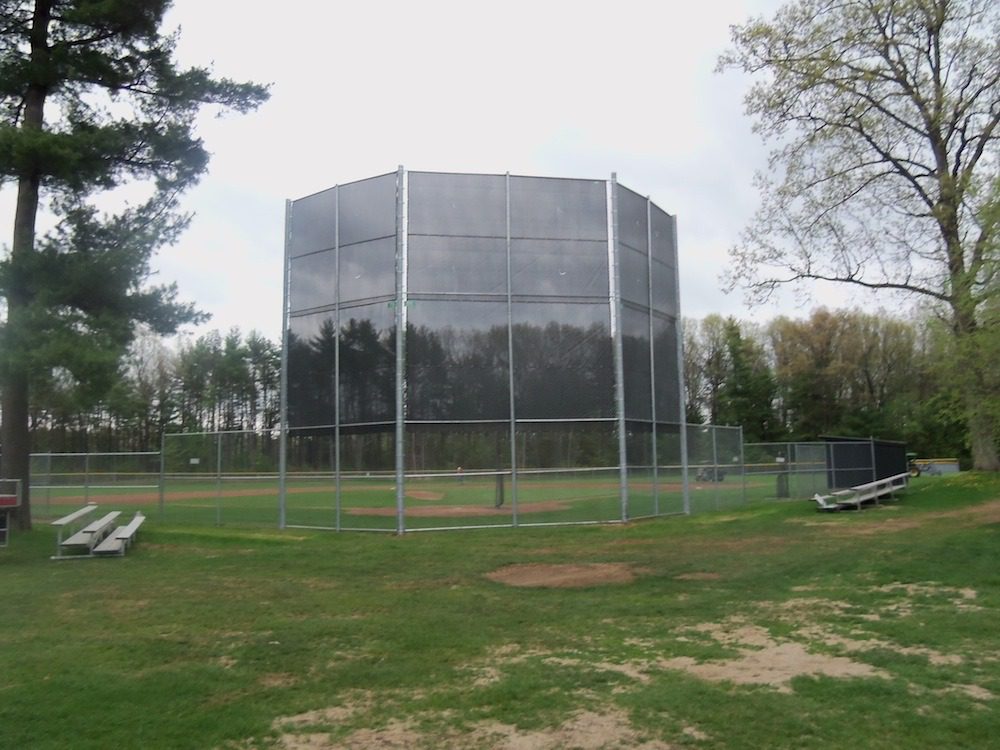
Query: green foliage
x=841, y=372
x=81, y=284
x=123, y=110
x=91, y=100
x=750, y=390
x=883, y=118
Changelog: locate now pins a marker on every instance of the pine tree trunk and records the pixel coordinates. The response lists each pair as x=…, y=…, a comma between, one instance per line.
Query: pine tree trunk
x=16, y=440
x=15, y=430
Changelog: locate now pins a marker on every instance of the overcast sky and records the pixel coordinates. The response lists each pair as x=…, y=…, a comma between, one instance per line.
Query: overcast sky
x=567, y=89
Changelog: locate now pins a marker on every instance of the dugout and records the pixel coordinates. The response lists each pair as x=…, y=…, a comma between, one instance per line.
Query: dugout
x=541, y=346
x=852, y=461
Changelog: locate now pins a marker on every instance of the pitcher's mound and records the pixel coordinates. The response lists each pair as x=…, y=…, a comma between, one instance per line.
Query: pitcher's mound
x=425, y=495
x=563, y=576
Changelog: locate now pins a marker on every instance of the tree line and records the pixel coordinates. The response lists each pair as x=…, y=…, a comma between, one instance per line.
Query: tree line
x=215, y=382
x=836, y=372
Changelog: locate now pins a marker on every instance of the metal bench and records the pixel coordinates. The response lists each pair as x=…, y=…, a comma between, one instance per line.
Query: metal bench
x=118, y=542
x=67, y=523
x=855, y=497
x=881, y=488
x=89, y=536
x=839, y=500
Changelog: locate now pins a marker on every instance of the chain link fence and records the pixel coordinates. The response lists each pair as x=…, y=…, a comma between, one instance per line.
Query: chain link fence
x=59, y=480
x=210, y=478
x=715, y=467
x=802, y=469
x=214, y=478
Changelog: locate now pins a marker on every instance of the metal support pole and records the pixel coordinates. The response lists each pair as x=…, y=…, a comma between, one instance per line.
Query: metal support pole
x=743, y=466
x=86, y=477
x=48, y=485
x=681, y=398
x=616, y=341
x=715, y=463
x=871, y=445
x=218, y=479
x=510, y=364
x=283, y=407
x=401, y=238
x=652, y=355
x=337, y=491
x=163, y=472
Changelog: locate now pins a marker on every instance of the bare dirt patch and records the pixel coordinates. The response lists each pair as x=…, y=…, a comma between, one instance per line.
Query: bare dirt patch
x=960, y=599
x=695, y=733
x=563, y=576
x=326, y=716
x=396, y=735
x=855, y=645
x=277, y=680
x=633, y=670
x=976, y=692
x=585, y=730
x=802, y=612
x=762, y=660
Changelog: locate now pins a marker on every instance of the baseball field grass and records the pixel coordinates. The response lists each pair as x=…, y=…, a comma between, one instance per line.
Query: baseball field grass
x=769, y=625
x=431, y=501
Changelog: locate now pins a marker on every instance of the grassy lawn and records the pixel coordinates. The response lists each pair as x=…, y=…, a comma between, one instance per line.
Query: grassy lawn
x=766, y=626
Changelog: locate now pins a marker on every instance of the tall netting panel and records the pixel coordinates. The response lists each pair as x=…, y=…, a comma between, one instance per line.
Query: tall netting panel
x=664, y=328
x=563, y=361
x=514, y=319
x=457, y=447
x=363, y=496
x=632, y=264
x=340, y=355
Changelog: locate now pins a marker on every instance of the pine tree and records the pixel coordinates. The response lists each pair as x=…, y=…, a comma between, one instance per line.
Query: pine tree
x=91, y=100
